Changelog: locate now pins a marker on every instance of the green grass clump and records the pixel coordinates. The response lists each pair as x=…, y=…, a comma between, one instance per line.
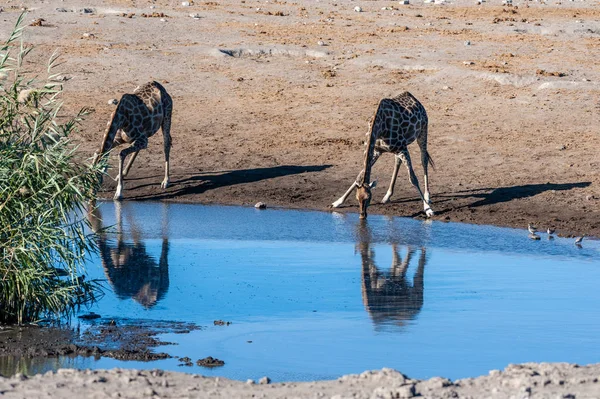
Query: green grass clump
x=43, y=190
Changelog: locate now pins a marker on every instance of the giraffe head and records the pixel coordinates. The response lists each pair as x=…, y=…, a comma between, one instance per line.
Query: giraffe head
x=363, y=195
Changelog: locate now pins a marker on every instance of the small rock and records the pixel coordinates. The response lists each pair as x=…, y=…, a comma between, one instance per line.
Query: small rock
x=250, y=382
x=260, y=205
x=467, y=43
x=321, y=43
x=163, y=20
x=357, y=9
x=195, y=16
x=62, y=10
x=447, y=88
x=561, y=148
x=404, y=2
x=210, y=362
x=89, y=316
x=89, y=35
x=468, y=63
x=221, y=323
x=185, y=3
x=87, y=11
x=113, y=101
x=264, y=381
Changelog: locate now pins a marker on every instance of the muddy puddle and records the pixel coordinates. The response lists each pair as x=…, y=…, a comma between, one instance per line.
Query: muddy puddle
x=298, y=295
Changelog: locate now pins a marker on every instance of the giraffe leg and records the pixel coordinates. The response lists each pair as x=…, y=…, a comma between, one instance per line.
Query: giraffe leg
x=390, y=190
x=425, y=160
x=129, y=163
x=405, y=156
x=138, y=145
x=343, y=198
x=166, y=129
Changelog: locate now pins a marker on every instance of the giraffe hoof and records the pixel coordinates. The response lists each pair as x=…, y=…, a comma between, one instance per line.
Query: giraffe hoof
x=385, y=200
x=429, y=212
x=164, y=184
x=336, y=204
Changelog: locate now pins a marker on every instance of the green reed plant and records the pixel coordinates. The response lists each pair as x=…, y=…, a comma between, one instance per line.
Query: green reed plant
x=43, y=191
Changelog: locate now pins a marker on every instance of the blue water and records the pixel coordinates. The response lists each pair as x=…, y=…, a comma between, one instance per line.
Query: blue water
x=314, y=295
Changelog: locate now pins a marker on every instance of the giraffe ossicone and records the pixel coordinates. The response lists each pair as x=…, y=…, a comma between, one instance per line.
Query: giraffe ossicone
x=398, y=122
x=138, y=117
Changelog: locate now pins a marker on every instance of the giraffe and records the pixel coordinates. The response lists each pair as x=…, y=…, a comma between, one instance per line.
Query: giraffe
x=397, y=123
x=128, y=266
x=389, y=296
x=137, y=117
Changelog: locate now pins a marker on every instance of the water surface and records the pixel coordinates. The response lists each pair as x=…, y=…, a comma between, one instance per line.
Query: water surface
x=314, y=295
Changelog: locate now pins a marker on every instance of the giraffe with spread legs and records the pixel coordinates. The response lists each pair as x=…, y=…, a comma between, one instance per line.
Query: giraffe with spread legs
x=137, y=117
x=397, y=123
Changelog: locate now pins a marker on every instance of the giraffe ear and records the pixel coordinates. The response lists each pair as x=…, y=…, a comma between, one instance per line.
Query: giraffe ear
x=373, y=184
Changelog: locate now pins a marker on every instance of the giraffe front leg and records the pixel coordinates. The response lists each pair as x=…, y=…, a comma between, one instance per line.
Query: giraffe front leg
x=343, y=198
x=137, y=145
x=129, y=163
x=119, y=192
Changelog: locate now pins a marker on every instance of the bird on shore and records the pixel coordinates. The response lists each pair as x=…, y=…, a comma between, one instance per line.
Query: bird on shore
x=550, y=231
x=578, y=240
x=532, y=229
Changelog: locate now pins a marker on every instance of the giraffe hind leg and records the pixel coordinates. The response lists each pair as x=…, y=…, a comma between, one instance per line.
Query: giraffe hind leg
x=405, y=156
x=166, y=130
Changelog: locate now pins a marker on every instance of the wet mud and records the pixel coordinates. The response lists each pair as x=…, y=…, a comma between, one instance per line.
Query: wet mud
x=116, y=338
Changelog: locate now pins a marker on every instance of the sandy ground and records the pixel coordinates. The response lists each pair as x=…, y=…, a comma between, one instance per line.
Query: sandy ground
x=263, y=112
x=546, y=380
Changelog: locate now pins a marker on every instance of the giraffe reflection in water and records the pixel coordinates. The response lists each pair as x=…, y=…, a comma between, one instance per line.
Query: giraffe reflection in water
x=130, y=269
x=388, y=296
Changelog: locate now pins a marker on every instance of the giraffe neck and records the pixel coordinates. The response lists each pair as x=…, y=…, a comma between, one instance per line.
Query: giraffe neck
x=110, y=133
x=366, y=176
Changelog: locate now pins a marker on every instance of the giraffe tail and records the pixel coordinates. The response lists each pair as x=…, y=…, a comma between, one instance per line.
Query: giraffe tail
x=430, y=160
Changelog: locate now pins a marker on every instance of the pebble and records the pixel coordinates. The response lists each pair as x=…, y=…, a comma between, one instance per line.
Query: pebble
x=163, y=20
x=357, y=9
x=264, y=381
x=404, y=2
x=87, y=11
x=468, y=63
x=113, y=101
x=260, y=205
x=321, y=43
x=467, y=43
x=89, y=35
x=195, y=16
x=62, y=9
x=185, y=3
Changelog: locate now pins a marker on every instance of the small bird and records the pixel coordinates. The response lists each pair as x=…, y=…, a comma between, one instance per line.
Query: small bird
x=578, y=240
x=534, y=236
x=532, y=229
x=550, y=231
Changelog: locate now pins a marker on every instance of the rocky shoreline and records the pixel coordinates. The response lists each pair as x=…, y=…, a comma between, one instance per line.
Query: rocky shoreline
x=529, y=380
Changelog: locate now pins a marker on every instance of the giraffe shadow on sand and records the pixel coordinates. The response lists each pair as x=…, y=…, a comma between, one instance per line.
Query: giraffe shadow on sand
x=129, y=268
x=201, y=183
x=388, y=296
x=491, y=196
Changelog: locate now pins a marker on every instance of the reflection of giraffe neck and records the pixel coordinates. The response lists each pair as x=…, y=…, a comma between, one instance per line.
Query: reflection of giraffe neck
x=366, y=176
